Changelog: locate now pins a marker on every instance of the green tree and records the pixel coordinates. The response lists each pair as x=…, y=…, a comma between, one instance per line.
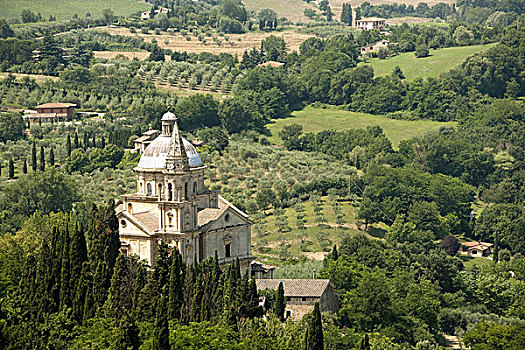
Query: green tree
x=5, y=29
x=197, y=111
x=33, y=157
x=161, y=332
x=42, y=159
x=52, y=157
x=314, y=333
x=280, y=302
x=128, y=334
x=346, y=14
x=11, y=127
x=157, y=54
x=11, y=168
x=24, y=167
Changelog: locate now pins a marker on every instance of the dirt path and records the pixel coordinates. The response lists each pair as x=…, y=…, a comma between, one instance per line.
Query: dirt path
x=453, y=342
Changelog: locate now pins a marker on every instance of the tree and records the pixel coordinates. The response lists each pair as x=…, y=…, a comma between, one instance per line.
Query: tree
x=11, y=127
x=198, y=111
x=11, y=168
x=238, y=114
x=346, y=15
x=291, y=136
x=76, y=142
x=33, y=157
x=161, y=332
x=68, y=145
x=314, y=334
x=5, y=29
x=42, y=159
x=450, y=245
x=52, y=157
x=422, y=51
x=108, y=15
x=397, y=72
x=24, y=167
x=215, y=137
x=157, y=54
x=128, y=334
x=513, y=89
x=280, y=302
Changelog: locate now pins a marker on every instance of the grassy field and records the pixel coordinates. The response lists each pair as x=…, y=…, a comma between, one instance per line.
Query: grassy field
x=293, y=10
x=439, y=61
x=65, y=9
x=317, y=119
x=234, y=44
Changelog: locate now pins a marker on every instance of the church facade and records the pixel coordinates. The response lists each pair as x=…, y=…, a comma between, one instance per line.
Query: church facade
x=172, y=205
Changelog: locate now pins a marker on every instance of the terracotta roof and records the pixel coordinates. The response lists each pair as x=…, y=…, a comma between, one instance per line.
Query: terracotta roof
x=209, y=214
x=370, y=19
x=143, y=138
x=56, y=105
x=148, y=220
x=295, y=287
x=476, y=244
x=273, y=64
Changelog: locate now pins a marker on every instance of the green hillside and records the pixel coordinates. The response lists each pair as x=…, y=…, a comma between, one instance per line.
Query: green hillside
x=318, y=119
x=65, y=9
x=439, y=61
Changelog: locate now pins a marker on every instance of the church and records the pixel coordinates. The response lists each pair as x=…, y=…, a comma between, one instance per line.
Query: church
x=172, y=205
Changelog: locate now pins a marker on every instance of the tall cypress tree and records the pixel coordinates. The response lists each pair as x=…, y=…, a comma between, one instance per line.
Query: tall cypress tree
x=196, y=302
x=11, y=168
x=365, y=343
x=77, y=254
x=128, y=334
x=52, y=157
x=161, y=339
x=42, y=159
x=103, y=142
x=116, y=305
x=314, y=336
x=65, y=290
x=33, y=157
x=86, y=141
x=75, y=142
x=24, y=167
x=175, y=286
x=68, y=145
x=280, y=303
x=83, y=286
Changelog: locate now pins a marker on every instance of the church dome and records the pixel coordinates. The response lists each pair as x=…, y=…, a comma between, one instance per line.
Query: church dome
x=154, y=156
x=168, y=116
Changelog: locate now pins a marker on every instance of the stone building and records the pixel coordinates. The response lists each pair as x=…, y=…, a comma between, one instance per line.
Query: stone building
x=302, y=294
x=375, y=47
x=172, y=205
x=370, y=23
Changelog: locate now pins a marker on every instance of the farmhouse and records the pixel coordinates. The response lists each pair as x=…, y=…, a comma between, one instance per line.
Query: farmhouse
x=476, y=249
x=302, y=294
x=370, y=23
x=147, y=14
x=143, y=142
x=374, y=47
x=173, y=206
x=52, y=112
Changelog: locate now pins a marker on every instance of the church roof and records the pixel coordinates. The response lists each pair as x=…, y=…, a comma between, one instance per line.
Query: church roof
x=295, y=287
x=148, y=220
x=154, y=156
x=209, y=214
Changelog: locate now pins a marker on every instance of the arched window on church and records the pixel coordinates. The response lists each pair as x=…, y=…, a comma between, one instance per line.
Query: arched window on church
x=130, y=208
x=148, y=189
x=186, y=190
x=170, y=191
x=195, y=188
x=159, y=186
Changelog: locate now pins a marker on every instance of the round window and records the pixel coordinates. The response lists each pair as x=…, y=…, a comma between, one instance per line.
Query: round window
x=123, y=223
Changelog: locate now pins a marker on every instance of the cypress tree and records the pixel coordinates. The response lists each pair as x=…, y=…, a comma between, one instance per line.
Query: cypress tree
x=175, y=286
x=253, y=309
x=128, y=334
x=314, y=336
x=68, y=145
x=52, y=157
x=103, y=142
x=86, y=141
x=115, y=304
x=0, y=168
x=196, y=302
x=335, y=253
x=81, y=291
x=42, y=159
x=65, y=296
x=75, y=142
x=33, y=157
x=24, y=167
x=94, y=141
x=365, y=343
x=11, y=168
x=99, y=286
x=161, y=339
x=77, y=253
x=280, y=303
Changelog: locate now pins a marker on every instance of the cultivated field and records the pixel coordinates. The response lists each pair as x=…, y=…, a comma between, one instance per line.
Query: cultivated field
x=293, y=10
x=235, y=44
x=141, y=55
x=318, y=119
x=439, y=61
x=38, y=77
x=65, y=9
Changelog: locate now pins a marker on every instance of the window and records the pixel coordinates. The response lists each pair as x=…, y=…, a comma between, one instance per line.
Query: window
x=170, y=192
x=288, y=313
x=123, y=223
x=186, y=190
x=227, y=217
x=130, y=208
x=170, y=219
x=194, y=188
x=148, y=188
x=227, y=249
x=303, y=298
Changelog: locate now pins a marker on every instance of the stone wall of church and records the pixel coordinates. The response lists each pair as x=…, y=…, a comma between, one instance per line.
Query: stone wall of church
x=238, y=238
x=141, y=247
